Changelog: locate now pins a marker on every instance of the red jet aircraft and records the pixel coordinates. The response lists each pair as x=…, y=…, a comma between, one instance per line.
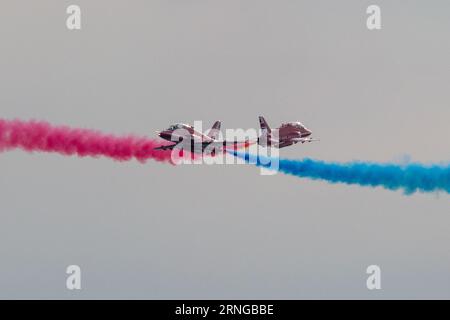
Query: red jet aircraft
x=182, y=134
x=287, y=134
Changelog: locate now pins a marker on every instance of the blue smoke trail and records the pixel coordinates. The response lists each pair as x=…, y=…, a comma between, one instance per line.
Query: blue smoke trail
x=410, y=177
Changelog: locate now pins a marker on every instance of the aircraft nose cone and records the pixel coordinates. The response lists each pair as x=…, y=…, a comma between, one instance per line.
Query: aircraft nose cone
x=160, y=133
x=164, y=134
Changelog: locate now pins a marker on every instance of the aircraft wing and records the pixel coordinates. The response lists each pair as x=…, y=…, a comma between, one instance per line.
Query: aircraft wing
x=303, y=140
x=218, y=145
x=236, y=145
x=169, y=147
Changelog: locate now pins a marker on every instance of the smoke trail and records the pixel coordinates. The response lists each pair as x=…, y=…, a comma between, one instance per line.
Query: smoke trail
x=41, y=136
x=410, y=178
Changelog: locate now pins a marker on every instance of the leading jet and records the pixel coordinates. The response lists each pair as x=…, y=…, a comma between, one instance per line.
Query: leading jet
x=185, y=136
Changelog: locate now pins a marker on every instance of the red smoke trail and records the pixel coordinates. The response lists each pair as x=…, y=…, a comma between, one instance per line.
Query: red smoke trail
x=42, y=136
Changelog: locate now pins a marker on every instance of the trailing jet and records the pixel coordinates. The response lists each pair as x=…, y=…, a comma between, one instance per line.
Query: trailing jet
x=183, y=134
x=287, y=134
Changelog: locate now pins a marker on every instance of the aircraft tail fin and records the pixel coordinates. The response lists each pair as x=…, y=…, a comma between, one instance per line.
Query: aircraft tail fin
x=265, y=139
x=214, y=131
x=263, y=124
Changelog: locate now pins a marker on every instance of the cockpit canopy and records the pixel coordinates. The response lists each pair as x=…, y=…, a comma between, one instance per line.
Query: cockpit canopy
x=178, y=126
x=294, y=124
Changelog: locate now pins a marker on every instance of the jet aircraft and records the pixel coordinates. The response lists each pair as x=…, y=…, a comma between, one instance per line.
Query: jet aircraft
x=182, y=134
x=287, y=134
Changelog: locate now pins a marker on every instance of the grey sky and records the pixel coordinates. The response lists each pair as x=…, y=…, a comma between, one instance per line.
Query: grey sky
x=158, y=231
